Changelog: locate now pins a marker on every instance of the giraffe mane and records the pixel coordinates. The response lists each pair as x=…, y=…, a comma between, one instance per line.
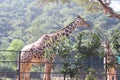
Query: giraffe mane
x=63, y=28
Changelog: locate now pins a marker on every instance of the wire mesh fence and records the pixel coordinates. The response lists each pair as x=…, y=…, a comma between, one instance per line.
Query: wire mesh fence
x=9, y=61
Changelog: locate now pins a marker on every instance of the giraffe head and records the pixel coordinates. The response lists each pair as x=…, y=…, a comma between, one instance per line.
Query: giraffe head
x=81, y=22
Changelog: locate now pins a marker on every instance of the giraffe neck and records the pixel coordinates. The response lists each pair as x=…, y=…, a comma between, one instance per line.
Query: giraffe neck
x=49, y=40
x=63, y=33
x=68, y=29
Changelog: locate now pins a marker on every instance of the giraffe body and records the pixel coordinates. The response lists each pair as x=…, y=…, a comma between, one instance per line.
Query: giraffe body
x=34, y=53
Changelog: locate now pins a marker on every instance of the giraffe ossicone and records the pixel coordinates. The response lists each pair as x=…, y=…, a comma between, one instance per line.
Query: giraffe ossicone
x=34, y=53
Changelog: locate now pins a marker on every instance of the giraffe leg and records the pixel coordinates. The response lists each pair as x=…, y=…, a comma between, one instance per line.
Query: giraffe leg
x=48, y=67
x=25, y=71
x=115, y=78
x=21, y=71
x=28, y=67
x=108, y=75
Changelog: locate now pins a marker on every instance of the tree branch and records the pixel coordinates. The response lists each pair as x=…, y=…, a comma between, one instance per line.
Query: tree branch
x=109, y=10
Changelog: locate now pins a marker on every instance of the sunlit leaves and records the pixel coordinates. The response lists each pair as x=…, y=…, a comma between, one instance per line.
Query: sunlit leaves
x=81, y=2
x=61, y=48
x=11, y=54
x=64, y=48
x=45, y=1
x=88, y=44
x=15, y=45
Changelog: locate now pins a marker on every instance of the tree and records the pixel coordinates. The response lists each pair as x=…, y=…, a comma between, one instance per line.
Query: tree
x=14, y=46
x=116, y=40
x=11, y=55
x=91, y=75
x=93, y=5
x=87, y=44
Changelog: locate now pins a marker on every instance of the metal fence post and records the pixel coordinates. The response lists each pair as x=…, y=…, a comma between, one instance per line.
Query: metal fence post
x=65, y=65
x=64, y=75
x=106, y=65
x=19, y=65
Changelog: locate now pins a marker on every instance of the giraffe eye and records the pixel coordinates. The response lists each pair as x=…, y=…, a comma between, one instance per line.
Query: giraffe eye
x=77, y=21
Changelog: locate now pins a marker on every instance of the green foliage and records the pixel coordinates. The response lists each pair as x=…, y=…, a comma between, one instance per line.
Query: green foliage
x=87, y=44
x=6, y=67
x=27, y=20
x=57, y=1
x=92, y=5
x=16, y=45
x=61, y=48
x=13, y=49
x=81, y=2
x=116, y=40
x=11, y=55
x=72, y=71
x=91, y=75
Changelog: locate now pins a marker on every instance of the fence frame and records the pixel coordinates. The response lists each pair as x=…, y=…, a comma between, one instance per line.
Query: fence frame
x=19, y=62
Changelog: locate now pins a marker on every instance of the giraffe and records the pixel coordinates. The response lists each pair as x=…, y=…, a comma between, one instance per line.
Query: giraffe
x=35, y=52
x=111, y=70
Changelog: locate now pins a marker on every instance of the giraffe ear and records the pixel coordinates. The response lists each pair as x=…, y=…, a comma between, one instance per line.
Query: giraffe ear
x=79, y=17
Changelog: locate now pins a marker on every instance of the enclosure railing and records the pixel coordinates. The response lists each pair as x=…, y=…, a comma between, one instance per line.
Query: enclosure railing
x=9, y=71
